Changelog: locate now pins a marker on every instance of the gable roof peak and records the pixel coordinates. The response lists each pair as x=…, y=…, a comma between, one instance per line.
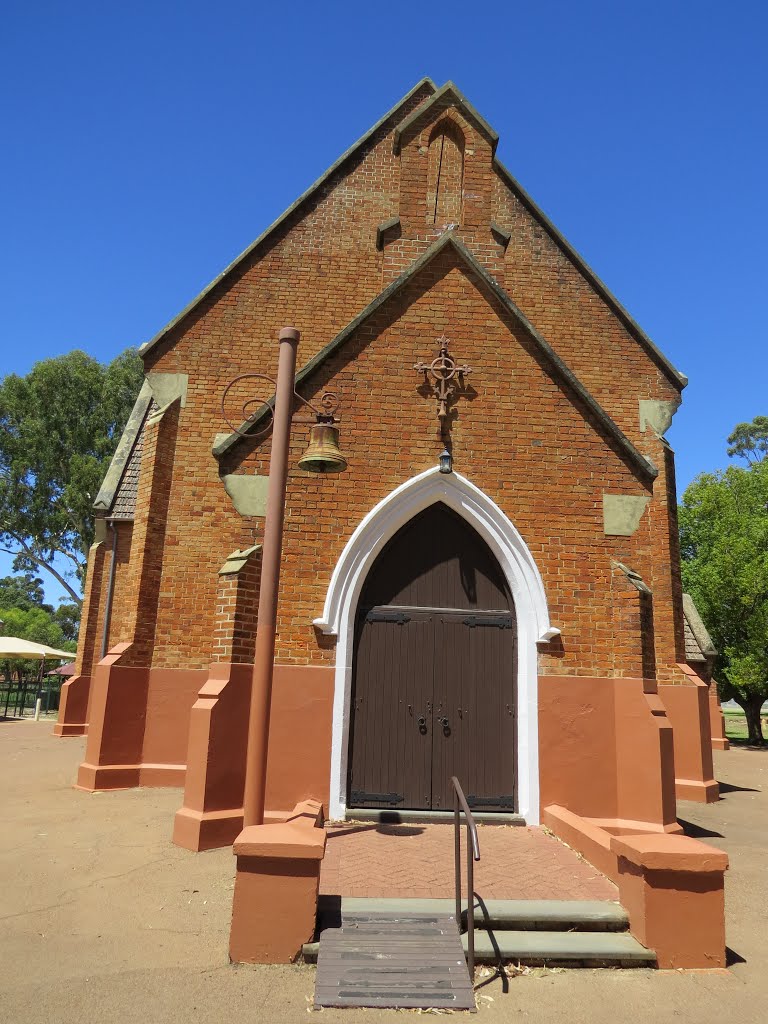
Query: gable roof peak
x=423, y=83
x=556, y=365
x=460, y=101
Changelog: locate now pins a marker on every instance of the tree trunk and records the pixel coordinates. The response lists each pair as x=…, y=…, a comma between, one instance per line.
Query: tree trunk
x=754, y=724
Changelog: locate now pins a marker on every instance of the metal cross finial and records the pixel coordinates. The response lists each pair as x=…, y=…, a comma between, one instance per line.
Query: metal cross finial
x=441, y=375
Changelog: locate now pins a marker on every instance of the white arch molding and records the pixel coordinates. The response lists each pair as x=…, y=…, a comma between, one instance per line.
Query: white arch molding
x=525, y=585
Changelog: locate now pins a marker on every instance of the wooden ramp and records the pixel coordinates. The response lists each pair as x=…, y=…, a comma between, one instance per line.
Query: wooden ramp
x=393, y=960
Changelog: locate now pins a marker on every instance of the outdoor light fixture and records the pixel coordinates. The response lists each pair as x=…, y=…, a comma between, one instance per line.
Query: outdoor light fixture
x=446, y=461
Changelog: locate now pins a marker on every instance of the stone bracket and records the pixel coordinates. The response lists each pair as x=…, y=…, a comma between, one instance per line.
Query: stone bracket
x=237, y=560
x=657, y=414
x=634, y=578
x=387, y=232
x=500, y=234
x=168, y=386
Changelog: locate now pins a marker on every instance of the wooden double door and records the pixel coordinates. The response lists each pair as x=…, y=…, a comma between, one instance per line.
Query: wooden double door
x=434, y=673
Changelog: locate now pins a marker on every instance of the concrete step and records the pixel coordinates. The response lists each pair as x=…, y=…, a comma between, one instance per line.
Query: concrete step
x=579, y=949
x=574, y=949
x=506, y=915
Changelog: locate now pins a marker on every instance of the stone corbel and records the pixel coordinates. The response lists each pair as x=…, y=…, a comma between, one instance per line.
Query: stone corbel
x=237, y=560
x=168, y=386
x=657, y=415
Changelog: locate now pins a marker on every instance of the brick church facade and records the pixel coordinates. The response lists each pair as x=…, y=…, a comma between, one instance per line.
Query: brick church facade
x=561, y=481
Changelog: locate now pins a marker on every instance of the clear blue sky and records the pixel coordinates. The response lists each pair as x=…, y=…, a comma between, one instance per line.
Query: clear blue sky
x=146, y=144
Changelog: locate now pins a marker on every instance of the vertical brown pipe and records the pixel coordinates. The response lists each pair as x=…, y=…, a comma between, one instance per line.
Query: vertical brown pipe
x=264, y=655
x=110, y=591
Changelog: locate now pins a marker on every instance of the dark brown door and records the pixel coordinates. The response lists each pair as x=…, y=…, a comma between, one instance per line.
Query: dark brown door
x=434, y=672
x=391, y=759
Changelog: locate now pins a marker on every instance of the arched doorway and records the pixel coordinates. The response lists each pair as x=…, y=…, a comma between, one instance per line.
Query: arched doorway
x=434, y=672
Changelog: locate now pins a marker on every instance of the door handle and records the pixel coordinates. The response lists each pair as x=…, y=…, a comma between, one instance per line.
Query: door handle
x=422, y=723
x=446, y=726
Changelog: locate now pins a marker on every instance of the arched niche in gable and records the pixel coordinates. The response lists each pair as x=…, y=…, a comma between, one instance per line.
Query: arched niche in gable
x=445, y=174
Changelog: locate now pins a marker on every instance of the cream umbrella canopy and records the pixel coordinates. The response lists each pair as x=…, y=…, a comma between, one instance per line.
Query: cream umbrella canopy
x=15, y=647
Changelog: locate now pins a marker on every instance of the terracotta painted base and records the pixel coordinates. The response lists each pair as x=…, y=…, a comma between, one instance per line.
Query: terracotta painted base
x=717, y=720
x=206, y=830
x=702, y=792
x=210, y=830
x=119, y=776
x=70, y=729
x=138, y=724
x=299, y=750
x=278, y=876
x=670, y=885
x=606, y=749
x=73, y=707
x=687, y=707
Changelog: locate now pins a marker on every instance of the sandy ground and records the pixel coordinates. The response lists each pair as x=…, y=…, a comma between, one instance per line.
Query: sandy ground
x=102, y=919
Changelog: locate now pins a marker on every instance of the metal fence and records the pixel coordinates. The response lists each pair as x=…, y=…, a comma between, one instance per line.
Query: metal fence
x=19, y=697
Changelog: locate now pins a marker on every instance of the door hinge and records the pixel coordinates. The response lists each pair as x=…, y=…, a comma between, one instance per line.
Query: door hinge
x=377, y=616
x=499, y=621
x=359, y=796
x=491, y=801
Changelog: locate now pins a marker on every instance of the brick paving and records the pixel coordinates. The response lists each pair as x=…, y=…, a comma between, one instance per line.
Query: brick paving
x=417, y=861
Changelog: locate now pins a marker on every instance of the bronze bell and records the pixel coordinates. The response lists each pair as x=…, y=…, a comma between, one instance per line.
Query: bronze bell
x=322, y=454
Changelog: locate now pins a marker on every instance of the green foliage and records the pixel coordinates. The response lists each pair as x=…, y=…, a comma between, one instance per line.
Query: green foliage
x=59, y=427
x=37, y=625
x=749, y=441
x=26, y=593
x=67, y=617
x=23, y=592
x=724, y=546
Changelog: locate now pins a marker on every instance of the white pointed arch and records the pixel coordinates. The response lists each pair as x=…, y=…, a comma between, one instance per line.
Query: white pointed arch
x=523, y=579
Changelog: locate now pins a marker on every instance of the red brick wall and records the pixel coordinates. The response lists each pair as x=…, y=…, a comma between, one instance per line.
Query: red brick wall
x=521, y=438
x=142, y=594
x=92, y=615
x=582, y=329
x=233, y=638
x=120, y=610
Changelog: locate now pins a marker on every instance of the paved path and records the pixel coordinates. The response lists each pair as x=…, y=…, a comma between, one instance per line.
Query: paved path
x=102, y=919
x=417, y=860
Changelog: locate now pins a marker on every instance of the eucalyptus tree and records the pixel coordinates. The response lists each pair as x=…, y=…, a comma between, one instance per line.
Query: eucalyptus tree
x=59, y=427
x=724, y=546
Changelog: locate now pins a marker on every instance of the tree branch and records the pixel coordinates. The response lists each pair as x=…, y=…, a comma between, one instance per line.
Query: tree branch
x=44, y=565
x=68, y=554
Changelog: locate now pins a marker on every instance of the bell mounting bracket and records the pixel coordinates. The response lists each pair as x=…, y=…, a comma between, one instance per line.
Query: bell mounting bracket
x=252, y=409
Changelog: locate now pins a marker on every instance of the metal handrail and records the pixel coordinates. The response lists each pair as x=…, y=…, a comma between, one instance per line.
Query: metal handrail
x=473, y=853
